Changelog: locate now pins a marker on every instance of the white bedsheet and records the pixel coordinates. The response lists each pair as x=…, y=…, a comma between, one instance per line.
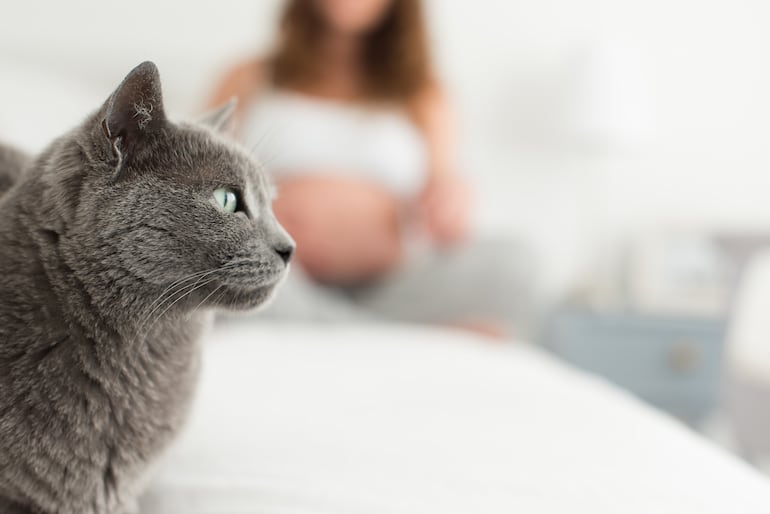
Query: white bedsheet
x=371, y=419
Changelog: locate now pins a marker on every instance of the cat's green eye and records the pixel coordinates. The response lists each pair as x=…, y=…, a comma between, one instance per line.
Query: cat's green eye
x=226, y=199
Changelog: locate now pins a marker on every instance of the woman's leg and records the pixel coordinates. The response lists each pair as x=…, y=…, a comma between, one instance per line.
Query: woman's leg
x=488, y=284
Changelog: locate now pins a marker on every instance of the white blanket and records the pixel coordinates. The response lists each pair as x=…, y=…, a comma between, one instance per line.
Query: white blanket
x=375, y=419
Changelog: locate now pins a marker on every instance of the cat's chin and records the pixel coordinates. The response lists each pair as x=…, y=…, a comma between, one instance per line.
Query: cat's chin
x=246, y=299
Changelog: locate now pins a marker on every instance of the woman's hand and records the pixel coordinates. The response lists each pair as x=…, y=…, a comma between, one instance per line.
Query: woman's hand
x=444, y=209
x=445, y=204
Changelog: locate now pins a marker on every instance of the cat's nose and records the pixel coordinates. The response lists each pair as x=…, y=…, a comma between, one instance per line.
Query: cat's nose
x=285, y=252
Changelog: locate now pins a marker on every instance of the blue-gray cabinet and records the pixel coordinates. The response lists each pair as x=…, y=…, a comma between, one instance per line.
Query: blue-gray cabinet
x=673, y=363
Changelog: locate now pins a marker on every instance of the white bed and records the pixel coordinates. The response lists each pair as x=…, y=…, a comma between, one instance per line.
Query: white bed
x=376, y=419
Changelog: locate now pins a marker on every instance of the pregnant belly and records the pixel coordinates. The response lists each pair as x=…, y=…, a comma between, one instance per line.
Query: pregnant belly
x=347, y=231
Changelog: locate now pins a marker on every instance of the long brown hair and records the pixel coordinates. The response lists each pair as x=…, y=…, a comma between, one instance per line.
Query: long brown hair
x=396, y=56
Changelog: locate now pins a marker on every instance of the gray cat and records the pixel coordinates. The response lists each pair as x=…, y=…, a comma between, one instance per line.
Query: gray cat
x=114, y=243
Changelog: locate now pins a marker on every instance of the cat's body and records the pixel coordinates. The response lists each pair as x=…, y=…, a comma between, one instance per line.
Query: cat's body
x=110, y=256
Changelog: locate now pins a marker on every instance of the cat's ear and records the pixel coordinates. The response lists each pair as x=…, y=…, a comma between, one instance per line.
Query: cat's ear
x=134, y=112
x=221, y=118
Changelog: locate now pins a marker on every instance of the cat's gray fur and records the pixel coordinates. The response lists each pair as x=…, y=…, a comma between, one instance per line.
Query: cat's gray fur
x=101, y=238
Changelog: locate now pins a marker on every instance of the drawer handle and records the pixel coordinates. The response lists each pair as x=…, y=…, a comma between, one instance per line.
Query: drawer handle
x=684, y=356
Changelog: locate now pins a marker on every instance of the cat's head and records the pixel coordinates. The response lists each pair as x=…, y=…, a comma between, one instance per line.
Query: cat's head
x=172, y=207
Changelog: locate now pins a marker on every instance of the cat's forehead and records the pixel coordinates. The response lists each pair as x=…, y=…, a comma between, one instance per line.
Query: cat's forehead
x=214, y=159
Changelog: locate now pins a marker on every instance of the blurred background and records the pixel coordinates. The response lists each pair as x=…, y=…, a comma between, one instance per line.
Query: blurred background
x=623, y=142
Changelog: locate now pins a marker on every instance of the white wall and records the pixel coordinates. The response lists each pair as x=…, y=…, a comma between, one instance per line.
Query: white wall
x=582, y=119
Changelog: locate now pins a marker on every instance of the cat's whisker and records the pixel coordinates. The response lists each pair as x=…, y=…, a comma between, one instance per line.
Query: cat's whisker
x=178, y=287
x=181, y=290
x=204, y=300
x=194, y=288
x=179, y=284
x=266, y=162
x=260, y=140
x=186, y=290
x=174, y=284
x=169, y=292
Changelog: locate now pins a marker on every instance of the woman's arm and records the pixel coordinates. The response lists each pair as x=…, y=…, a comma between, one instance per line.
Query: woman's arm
x=243, y=81
x=445, y=203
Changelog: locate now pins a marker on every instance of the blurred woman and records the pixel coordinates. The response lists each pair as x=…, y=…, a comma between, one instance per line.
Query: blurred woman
x=357, y=132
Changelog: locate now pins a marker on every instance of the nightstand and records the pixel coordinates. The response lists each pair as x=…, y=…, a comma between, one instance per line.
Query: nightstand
x=672, y=363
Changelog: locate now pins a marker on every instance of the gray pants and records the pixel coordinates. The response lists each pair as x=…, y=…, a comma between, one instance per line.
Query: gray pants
x=483, y=281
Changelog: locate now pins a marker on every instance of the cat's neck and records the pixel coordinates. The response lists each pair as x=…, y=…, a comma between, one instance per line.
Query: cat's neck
x=114, y=311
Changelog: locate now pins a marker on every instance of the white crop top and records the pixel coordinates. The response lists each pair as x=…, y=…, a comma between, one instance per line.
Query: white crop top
x=295, y=134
